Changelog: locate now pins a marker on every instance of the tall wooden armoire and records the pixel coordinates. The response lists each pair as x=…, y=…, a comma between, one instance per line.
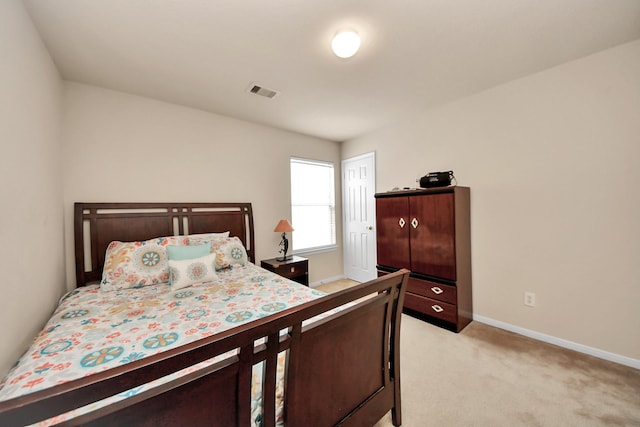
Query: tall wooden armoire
x=428, y=231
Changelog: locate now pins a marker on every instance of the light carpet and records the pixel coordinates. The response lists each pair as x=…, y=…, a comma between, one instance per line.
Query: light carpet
x=485, y=376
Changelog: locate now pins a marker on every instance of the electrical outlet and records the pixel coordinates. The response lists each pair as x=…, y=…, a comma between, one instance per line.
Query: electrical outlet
x=529, y=299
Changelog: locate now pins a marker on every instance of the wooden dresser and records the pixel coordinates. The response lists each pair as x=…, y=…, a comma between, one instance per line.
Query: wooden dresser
x=428, y=232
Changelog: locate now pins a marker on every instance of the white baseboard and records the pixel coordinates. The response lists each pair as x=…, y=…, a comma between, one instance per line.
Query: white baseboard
x=612, y=357
x=327, y=280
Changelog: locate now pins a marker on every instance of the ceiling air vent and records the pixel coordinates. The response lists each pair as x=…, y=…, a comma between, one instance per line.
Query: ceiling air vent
x=262, y=91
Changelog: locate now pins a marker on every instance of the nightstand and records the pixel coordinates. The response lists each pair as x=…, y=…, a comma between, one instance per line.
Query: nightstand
x=296, y=268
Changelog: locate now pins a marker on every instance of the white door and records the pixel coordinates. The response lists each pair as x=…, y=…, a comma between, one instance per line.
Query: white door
x=359, y=217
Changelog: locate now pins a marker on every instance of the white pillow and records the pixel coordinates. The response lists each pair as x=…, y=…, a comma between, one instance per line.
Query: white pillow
x=187, y=272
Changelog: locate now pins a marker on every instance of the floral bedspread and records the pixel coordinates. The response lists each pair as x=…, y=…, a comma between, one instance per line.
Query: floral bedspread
x=91, y=330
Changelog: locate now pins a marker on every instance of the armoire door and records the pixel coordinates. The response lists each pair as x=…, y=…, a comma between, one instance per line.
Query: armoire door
x=432, y=235
x=392, y=239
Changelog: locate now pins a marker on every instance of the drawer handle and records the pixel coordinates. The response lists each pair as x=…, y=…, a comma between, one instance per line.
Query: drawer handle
x=436, y=290
x=293, y=269
x=414, y=222
x=402, y=222
x=437, y=308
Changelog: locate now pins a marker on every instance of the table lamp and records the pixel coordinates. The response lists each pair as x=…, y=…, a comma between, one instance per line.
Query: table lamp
x=283, y=227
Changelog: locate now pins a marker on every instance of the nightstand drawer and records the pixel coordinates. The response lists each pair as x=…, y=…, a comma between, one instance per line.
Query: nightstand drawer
x=292, y=270
x=296, y=268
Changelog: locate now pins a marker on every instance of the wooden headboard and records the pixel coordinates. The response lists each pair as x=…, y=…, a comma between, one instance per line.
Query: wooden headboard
x=98, y=224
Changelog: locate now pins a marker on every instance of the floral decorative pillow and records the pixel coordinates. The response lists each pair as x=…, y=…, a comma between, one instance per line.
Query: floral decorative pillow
x=197, y=239
x=189, y=272
x=229, y=252
x=136, y=264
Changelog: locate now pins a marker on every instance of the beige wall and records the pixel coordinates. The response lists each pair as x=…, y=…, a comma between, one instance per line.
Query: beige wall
x=120, y=147
x=31, y=221
x=552, y=162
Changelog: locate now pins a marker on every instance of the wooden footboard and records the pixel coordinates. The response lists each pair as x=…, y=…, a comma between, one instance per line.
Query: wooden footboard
x=341, y=370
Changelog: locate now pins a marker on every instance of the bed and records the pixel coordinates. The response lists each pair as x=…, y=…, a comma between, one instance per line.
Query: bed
x=245, y=347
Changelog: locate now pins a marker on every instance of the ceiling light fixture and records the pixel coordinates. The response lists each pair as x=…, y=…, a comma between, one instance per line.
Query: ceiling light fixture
x=345, y=44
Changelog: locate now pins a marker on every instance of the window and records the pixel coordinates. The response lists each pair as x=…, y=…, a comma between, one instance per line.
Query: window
x=312, y=205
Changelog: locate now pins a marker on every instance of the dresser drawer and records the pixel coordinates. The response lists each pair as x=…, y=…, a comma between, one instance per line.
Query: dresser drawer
x=437, y=291
x=438, y=309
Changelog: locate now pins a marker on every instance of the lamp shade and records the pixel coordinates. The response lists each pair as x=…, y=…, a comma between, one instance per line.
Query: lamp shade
x=284, y=226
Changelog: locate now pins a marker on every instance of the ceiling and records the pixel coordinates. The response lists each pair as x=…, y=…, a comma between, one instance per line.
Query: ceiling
x=415, y=54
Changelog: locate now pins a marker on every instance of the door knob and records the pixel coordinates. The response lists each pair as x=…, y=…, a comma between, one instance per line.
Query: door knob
x=370, y=228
